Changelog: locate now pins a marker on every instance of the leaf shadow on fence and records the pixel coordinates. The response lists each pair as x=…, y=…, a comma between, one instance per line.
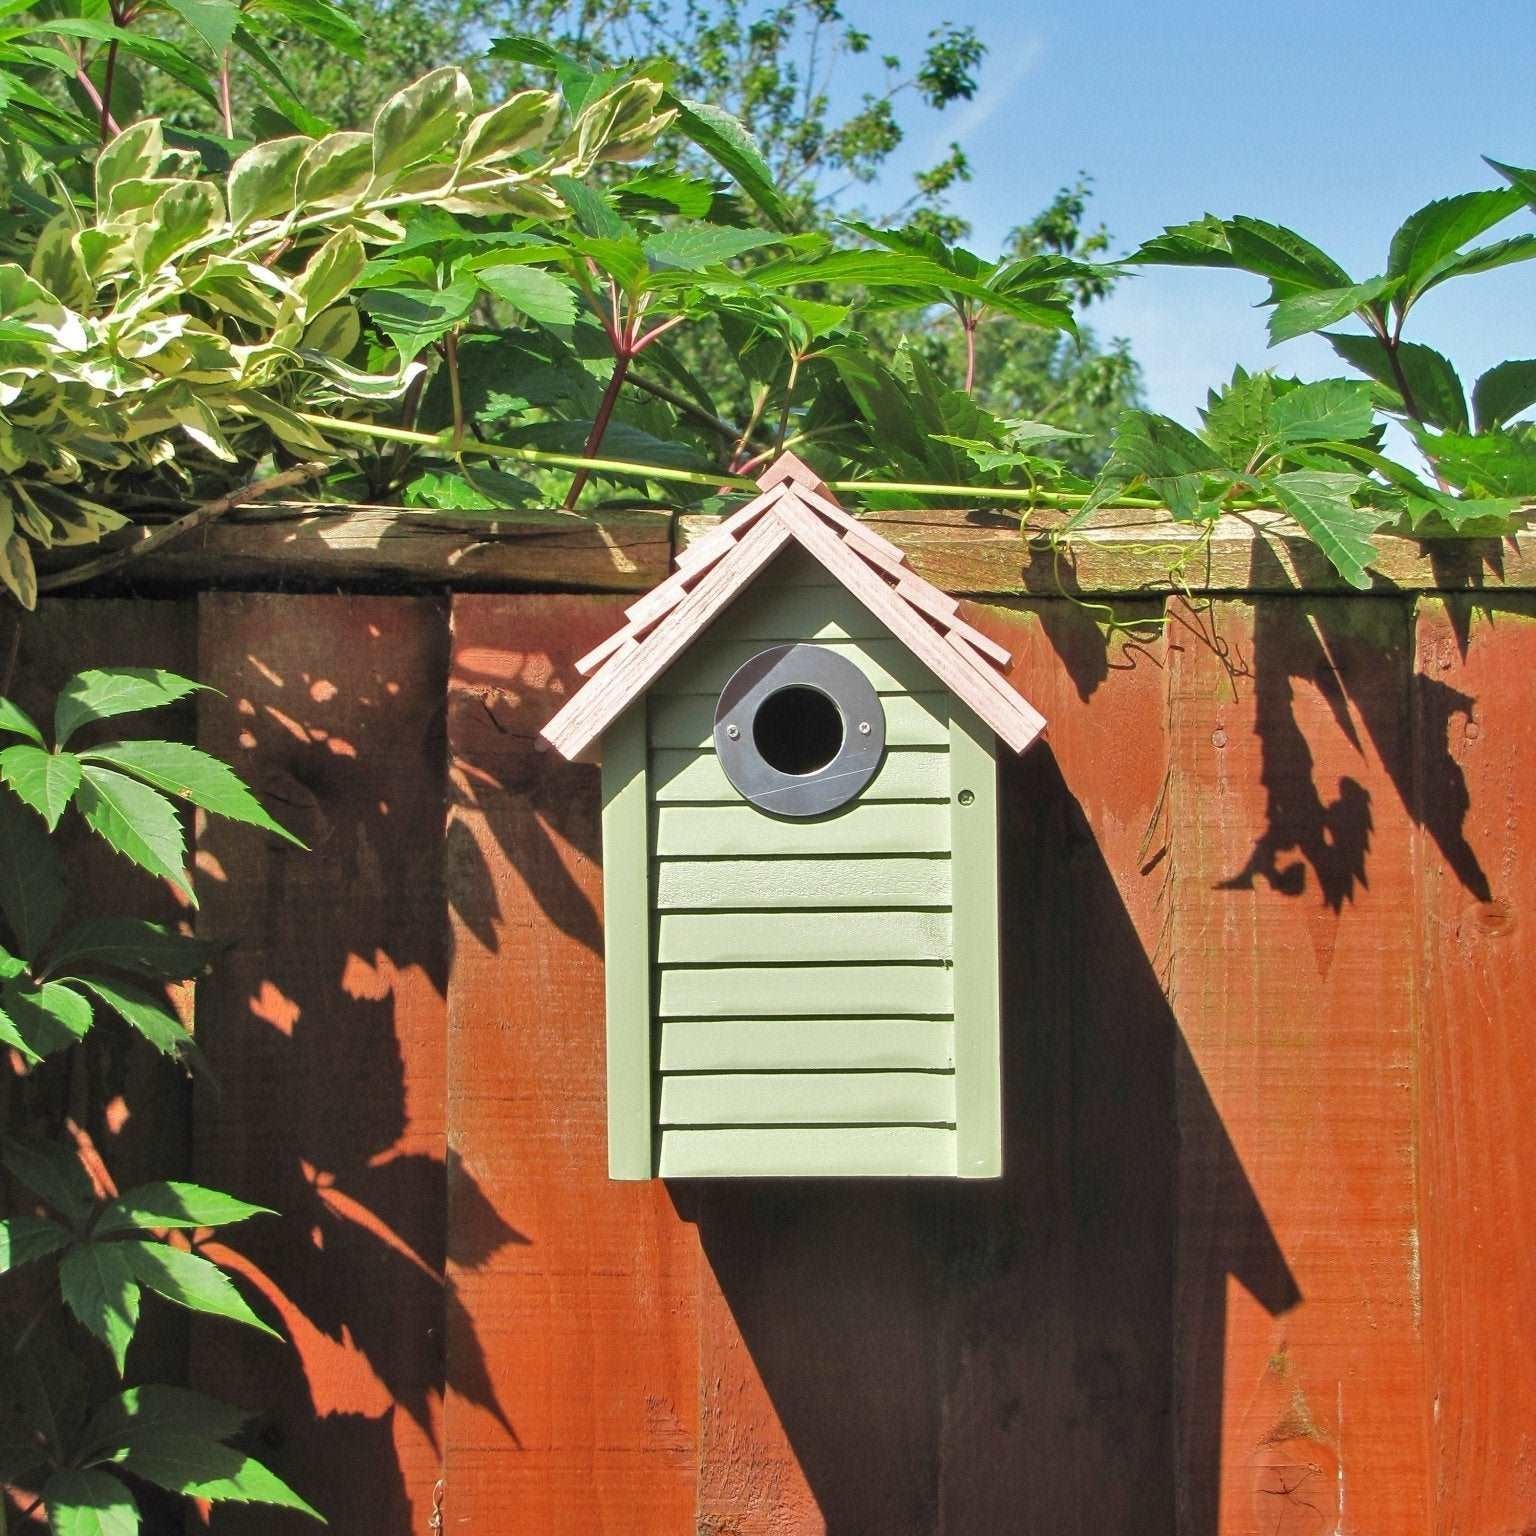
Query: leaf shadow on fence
x=944, y=1356
x=325, y=1027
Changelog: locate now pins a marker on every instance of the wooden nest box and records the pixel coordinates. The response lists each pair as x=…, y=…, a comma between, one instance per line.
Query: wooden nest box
x=798, y=739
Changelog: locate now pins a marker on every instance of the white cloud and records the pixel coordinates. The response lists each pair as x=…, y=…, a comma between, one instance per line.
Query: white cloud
x=999, y=82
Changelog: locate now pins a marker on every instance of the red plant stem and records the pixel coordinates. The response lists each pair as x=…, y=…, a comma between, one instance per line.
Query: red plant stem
x=451, y=355
x=104, y=100
x=969, y=327
x=599, y=425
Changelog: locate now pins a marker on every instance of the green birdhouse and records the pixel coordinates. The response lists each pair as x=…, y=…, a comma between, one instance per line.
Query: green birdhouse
x=798, y=738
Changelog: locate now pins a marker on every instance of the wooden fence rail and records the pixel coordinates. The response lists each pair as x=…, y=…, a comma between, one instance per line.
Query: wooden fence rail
x=1264, y=1256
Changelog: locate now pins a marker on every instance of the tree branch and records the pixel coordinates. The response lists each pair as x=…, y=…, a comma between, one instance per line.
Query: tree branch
x=158, y=538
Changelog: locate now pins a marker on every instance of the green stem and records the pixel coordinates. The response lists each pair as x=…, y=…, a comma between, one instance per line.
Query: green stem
x=451, y=356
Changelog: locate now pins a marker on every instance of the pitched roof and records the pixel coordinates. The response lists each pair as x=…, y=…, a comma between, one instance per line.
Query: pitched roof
x=794, y=507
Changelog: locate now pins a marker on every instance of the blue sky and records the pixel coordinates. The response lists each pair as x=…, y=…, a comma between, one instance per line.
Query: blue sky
x=1337, y=119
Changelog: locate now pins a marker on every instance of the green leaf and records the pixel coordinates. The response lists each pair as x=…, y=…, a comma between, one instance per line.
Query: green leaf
x=1321, y=503
x=172, y=1204
x=1312, y=311
x=1496, y=464
x=693, y=247
x=213, y=20
x=262, y=180
x=45, y=780
x=192, y=775
x=724, y=139
x=188, y=1280
x=97, y=1281
x=330, y=273
x=1439, y=228
x=416, y=317
x=1503, y=392
x=14, y=720
x=134, y=155
x=194, y=1465
x=50, y=1017
x=328, y=23
x=31, y=877
x=131, y=944
x=1484, y=258
x=143, y=1411
x=1523, y=181
x=540, y=295
x=53, y=1171
x=1170, y=458
x=1330, y=409
x=1436, y=389
x=152, y=1019
x=100, y=694
x=182, y=215
x=11, y=1036
x=25, y=1238
x=140, y=824
x=418, y=122
x=89, y=1503
x=523, y=120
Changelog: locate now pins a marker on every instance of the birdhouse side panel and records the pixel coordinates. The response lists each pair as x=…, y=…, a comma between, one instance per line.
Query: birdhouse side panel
x=802, y=977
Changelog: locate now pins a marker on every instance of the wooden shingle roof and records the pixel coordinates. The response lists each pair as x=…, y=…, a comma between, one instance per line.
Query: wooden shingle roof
x=794, y=507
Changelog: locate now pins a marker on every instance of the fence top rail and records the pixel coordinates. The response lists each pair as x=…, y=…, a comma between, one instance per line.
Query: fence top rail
x=1125, y=552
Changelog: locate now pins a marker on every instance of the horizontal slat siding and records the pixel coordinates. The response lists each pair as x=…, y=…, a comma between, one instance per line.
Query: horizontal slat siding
x=797, y=991
x=921, y=881
x=844, y=1151
x=688, y=720
x=743, y=831
x=692, y=777
x=809, y=1098
x=888, y=664
x=757, y=1045
x=740, y=938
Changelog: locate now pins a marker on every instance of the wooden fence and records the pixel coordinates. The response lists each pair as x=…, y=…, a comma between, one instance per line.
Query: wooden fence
x=1264, y=1257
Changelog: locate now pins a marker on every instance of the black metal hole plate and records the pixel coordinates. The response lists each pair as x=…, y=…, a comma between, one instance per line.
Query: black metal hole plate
x=790, y=679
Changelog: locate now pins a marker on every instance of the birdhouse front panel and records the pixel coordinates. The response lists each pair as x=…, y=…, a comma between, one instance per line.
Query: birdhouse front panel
x=798, y=740
x=808, y=1010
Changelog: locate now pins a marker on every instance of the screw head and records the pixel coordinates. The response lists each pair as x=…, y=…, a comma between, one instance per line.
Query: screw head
x=734, y=732
x=966, y=797
x=864, y=727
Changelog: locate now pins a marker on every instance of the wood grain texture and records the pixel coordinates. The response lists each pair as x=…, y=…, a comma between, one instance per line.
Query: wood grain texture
x=771, y=1152
x=1474, y=690
x=871, y=882
x=1292, y=955
x=761, y=1045
x=610, y=550
x=1130, y=552
x=701, y=992
x=749, y=938
x=323, y=1025
x=808, y=1098
x=744, y=832
x=888, y=664
x=627, y=946
x=583, y=1324
x=978, y=1023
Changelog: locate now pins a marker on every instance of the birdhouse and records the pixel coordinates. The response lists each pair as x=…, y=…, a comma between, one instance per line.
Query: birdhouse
x=798, y=738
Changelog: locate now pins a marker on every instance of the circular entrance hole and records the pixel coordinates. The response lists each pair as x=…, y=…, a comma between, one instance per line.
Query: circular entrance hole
x=798, y=730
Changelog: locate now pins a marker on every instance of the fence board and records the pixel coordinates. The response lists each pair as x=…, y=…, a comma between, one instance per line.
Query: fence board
x=1292, y=956
x=1475, y=717
x=583, y=1323
x=324, y=1025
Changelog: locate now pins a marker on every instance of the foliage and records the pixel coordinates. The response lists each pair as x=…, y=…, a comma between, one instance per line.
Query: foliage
x=1330, y=475
x=565, y=283
x=66, y=1427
